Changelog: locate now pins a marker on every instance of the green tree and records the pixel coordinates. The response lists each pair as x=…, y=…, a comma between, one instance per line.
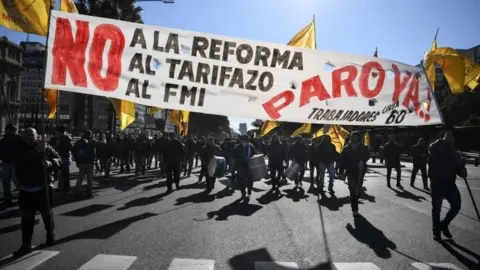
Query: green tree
x=125, y=10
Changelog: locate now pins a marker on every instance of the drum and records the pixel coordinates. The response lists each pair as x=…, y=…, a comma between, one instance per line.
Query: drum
x=258, y=167
x=216, y=167
x=293, y=171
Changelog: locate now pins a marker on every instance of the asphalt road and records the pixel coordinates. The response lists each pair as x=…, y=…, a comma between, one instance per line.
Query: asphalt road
x=133, y=224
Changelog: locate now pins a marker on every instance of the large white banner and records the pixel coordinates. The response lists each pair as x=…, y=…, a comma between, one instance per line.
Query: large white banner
x=176, y=69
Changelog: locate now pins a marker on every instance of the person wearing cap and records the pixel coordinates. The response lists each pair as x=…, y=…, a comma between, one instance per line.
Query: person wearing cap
x=8, y=150
x=444, y=164
x=243, y=153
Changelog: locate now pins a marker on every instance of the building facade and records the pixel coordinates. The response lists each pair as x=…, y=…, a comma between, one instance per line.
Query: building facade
x=10, y=69
x=34, y=109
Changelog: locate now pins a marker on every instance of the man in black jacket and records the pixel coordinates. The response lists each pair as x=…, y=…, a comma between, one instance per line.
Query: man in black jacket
x=8, y=145
x=443, y=167
x=327, y=154
x=191, y=148
x=419, y=154
x=173, y=157
x=62, y=143
x=207, y=152
x=353, y=160
x=298, y=153
x=276, y=156
x=391, y=152
x=34, y=165
x=243, y=153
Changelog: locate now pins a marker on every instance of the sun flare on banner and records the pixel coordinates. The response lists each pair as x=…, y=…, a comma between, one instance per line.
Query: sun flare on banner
x=229, y=76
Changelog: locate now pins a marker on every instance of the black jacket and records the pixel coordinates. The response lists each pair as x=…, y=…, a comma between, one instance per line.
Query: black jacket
x=327, y=153
x=8, y=148
x=276, y=153
x=63, y=146
x=173, y=151
x=419, y=153
x=444, y=163
x=241, y=155
x=391, y=153
x=298, y=152
x=350, y=157
x=29, y=168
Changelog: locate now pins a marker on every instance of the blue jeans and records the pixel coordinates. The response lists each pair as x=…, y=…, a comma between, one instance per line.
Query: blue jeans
x=8, y=174
x=331, y=173
x=106, y=163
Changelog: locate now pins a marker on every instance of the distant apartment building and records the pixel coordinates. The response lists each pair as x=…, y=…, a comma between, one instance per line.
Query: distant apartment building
x=34, y=108
x=10, y=69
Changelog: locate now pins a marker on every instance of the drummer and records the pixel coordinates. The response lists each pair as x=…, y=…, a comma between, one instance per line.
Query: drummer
x=207, y=152
x=243, y=152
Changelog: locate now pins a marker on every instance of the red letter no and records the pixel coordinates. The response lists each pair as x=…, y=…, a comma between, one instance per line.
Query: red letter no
x=103, y=33
x=69, y=54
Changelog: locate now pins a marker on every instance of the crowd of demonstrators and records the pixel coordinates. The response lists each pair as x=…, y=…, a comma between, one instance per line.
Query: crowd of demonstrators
x=34, y=165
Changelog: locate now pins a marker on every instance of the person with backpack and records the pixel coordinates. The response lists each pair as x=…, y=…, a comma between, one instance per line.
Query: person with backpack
x=84, y=155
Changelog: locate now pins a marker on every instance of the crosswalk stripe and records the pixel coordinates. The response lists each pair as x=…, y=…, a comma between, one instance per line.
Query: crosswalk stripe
x=261, y=265
x=435, y=266
x=191, y=264
x=28, y=261
x=356, y=266
x=109, y=262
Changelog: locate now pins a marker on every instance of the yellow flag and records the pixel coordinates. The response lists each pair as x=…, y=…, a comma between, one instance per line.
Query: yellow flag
x=343, y=132
x=305, y=128
x=28, y=16
x=68, y=6
x=153, y=110
x=185, y=118
x=267, y=126
x=366, y=139
x=318, y=134
x=51, y=97
x=305, y=38
x=459, y=70
x=335, y=133
x=125, y=111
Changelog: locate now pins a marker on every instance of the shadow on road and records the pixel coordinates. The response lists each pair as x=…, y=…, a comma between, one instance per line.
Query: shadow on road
x=144, y=201
x=107, y=230
x=240, y=207
x=201, y=197
x=14, y=227
x=408, y=195
x=374, y=238
x=296, y=194
x=87, y=210
x=450, y=246
x=333, y=203
x=254, y=259
x=269, y=197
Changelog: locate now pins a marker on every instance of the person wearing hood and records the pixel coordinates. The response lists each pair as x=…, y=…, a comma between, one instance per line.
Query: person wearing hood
x=419, y=154
x=243, y=153
x=34, y=165
x=276, y=156
x=298, y=153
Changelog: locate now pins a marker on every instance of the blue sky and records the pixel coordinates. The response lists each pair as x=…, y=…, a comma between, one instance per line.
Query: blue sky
x=402, y=30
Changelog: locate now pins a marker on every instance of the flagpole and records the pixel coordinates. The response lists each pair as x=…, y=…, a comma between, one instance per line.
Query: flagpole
x=44, y=119
x=315, y=27
x=436, y=34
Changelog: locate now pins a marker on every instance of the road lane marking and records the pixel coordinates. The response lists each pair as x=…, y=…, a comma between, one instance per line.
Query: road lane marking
x=356, y=266
x=435, y=266
x=191, y=264
x=109, y=262
x=29, y=261
x=263, y=265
